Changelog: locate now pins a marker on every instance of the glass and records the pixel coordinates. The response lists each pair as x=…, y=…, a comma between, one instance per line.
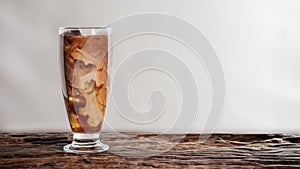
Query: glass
x=85, y=59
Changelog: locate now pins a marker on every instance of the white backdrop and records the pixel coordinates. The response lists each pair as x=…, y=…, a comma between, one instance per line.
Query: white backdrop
x=257, y=42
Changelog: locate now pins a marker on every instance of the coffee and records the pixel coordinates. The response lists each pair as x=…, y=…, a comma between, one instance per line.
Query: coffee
x=85, y=59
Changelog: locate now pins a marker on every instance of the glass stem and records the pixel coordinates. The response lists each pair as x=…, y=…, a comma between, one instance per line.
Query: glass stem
x=86, y=143
x=85, y=140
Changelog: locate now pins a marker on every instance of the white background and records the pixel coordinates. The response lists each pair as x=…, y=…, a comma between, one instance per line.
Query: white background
x=257, y=42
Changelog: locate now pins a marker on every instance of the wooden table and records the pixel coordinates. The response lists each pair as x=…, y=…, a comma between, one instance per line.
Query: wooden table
x=44, y=150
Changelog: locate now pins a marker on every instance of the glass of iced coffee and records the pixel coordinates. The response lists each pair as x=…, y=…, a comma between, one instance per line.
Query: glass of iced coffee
x=85, y=57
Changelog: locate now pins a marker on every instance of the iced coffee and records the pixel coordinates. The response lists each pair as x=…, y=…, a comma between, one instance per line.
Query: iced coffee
x=85, y=64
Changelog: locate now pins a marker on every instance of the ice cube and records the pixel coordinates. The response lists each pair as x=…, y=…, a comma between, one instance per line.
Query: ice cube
x=90, y=86
x=72, y=33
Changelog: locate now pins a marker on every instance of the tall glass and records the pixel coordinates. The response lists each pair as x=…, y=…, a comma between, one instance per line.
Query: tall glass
x=85, y=58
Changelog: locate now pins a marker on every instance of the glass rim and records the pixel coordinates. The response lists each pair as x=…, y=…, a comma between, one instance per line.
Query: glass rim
x=108, y=30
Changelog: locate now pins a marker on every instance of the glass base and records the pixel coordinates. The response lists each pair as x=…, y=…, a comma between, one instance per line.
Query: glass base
x=85, y=143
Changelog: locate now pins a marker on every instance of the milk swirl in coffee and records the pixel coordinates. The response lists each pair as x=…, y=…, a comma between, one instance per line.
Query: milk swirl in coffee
x=85, y=76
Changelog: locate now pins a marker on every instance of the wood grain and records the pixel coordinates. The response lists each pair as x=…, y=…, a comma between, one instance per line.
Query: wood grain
x=132, y=150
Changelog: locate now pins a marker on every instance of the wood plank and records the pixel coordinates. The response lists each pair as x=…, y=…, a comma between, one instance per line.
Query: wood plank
x=44, y=150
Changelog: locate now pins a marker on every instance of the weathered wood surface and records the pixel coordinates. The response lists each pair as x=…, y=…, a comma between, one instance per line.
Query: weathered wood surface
x=219, y=151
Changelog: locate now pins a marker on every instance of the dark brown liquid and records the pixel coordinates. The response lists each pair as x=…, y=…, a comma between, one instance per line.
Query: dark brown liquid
x=85, y=76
